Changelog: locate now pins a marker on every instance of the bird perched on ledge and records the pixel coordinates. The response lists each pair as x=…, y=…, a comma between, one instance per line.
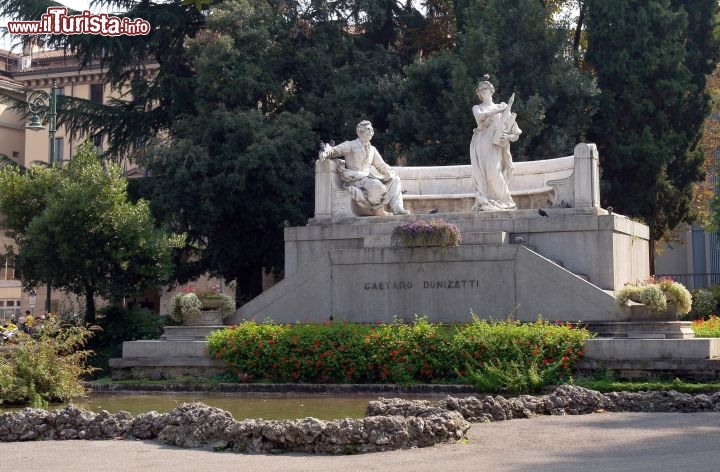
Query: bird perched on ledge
x=433, y=211
x=542, y=213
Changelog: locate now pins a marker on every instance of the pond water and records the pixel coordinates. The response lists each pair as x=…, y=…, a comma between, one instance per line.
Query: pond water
x=241, y=405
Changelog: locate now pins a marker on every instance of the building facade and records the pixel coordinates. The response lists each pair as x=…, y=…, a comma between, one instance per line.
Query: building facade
x=37, y=69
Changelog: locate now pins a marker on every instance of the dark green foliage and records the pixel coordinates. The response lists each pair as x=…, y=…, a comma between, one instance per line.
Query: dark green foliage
x=246, y=101
x=75, y=230
x=704, y=304
x=152, y=105
x=269, y=87
x=117, y=325
x=525, y=54
x=646, y=58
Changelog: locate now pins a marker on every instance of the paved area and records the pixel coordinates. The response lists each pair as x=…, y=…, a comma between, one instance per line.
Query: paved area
x=601, y=442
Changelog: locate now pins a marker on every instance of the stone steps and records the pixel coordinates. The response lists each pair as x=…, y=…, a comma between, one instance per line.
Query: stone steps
x=181, y=351
x=187, y=333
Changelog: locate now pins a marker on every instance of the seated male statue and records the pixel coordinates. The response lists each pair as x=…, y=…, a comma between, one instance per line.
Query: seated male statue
x=371, y=182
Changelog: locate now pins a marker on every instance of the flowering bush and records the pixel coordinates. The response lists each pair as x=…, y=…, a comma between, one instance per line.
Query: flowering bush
x=402, y=352
x=709, y=328
x=656, y=294
x=185, y=305
x=189, y=303
x=421, y=233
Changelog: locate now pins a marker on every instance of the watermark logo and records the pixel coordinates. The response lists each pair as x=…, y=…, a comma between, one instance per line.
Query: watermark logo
x=57, y=21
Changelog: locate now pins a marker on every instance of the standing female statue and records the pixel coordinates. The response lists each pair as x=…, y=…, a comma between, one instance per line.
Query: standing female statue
x=490, y=150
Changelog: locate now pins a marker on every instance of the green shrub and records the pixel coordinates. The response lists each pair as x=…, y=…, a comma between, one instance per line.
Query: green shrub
x=540, y=349
x=715, y=290
x=512, y=376
x=46, y=367
x=403, y=352
x=703, y=304
x=117, y=325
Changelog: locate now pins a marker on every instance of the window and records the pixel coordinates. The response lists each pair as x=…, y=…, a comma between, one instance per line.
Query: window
x=59, y=149
x=7, y=269
x=60, y=90
x=98, y=143
x=96, y=93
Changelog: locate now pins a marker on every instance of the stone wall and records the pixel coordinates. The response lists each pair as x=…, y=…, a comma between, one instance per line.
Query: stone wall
x=194, y=425
x=389, y=423
x=564, y=400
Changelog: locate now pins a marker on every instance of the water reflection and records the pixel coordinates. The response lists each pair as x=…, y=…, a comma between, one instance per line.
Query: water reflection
x=241, y=405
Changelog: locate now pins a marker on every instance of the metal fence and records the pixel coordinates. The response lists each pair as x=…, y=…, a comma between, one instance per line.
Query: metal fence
x=7, y=313
x=693, y=281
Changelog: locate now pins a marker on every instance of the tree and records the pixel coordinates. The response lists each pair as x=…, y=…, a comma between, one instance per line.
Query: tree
x=525, y=53
x=235, y=173
x=75, y=230
x=650, y=61
x=707, y=198
x=146, y=107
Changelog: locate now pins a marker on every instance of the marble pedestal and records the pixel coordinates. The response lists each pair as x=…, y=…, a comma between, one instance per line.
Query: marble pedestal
x=180, y=352
x=562, y=267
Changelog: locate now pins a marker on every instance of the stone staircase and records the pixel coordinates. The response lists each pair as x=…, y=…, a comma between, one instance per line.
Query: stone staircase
x=180, y=352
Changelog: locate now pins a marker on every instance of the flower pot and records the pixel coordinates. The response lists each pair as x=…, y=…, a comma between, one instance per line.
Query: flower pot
x=646, y=313
x=211, y=303
x=205, y=318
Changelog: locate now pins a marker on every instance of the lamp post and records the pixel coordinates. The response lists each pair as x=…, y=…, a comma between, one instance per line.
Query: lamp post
x=39, y=100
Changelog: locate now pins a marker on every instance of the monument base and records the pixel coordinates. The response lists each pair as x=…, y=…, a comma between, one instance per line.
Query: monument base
x=180, y=352
x=511, y=263
x=697, y=358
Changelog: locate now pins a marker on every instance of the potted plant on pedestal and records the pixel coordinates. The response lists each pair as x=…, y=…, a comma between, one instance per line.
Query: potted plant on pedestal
x=203, y=307
x=420, y=233
x=663, y=299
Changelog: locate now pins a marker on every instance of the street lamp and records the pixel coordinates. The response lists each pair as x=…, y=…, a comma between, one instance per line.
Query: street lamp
x=38, y=100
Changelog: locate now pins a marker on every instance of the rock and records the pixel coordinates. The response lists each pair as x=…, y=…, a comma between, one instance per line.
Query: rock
x=390, y=423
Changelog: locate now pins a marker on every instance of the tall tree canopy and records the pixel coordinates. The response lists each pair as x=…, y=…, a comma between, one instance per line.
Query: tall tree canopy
x=75, y=230
x=147, y=105
x=647, y=60
x=526, y=54
x=246, y=89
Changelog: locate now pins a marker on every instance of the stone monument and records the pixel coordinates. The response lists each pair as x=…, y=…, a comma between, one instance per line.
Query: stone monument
x=371, y=183
x=512, y=262
x=492, y=164
x=535, y=242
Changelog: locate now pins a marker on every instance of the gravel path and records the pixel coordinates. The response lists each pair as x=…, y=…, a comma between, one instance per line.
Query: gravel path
x=604, y=442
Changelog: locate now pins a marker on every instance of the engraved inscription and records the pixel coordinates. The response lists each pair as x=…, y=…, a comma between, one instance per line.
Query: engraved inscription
x=388, y=285
x=426, y=284
x=451, y=284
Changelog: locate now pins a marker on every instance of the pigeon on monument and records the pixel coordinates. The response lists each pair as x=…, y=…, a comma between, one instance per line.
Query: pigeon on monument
x=433, y=211
x=542, y=213
x=609, y=210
